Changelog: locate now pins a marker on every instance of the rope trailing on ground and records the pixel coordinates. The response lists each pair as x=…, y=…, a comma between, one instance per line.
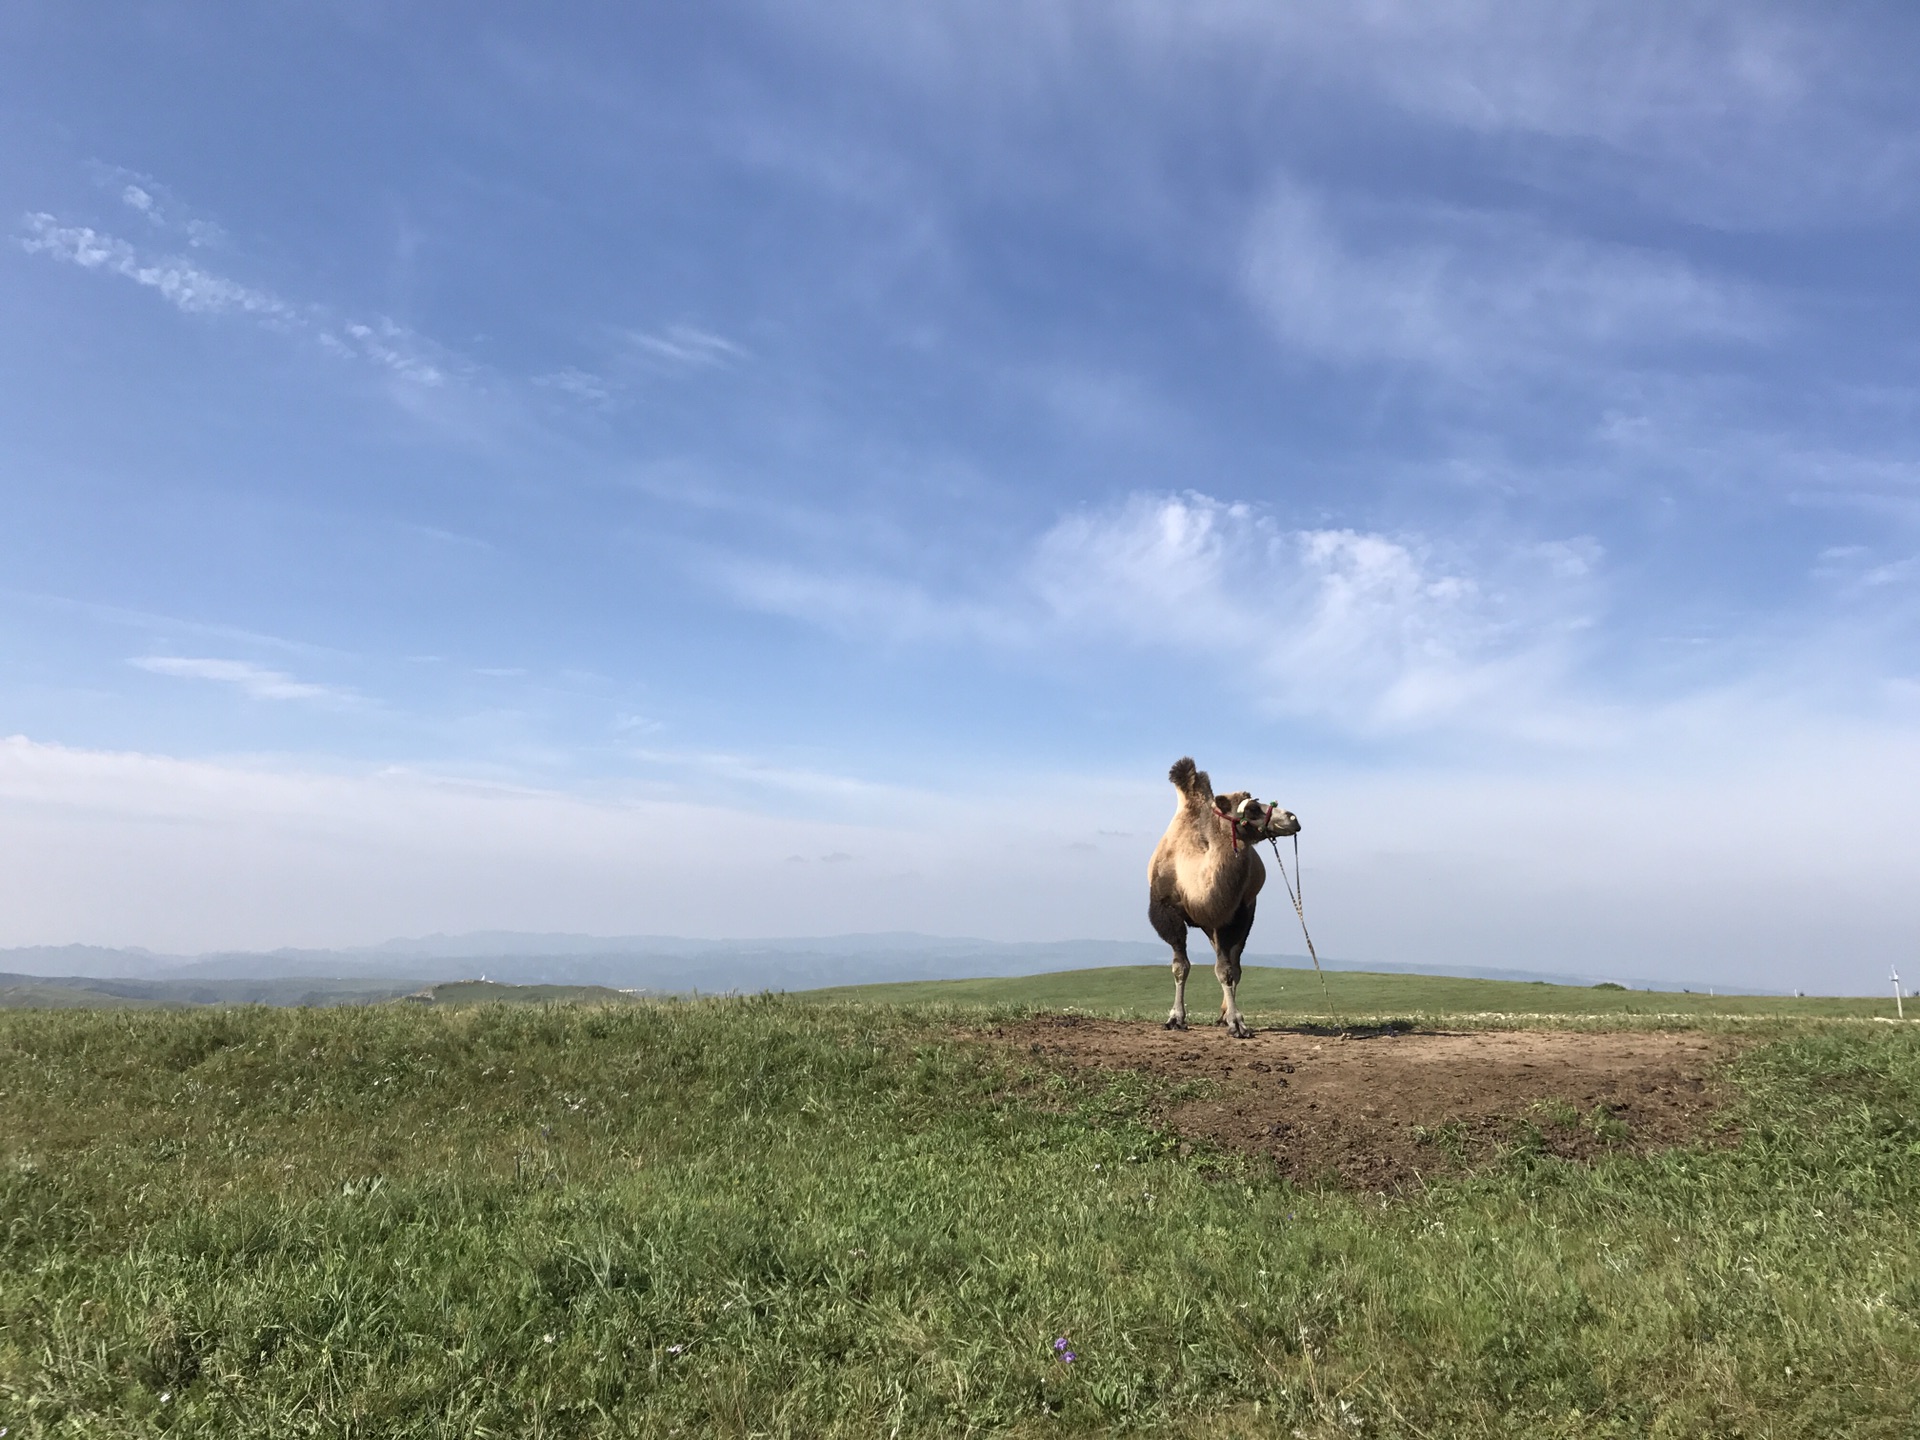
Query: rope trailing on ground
x=1294, y=895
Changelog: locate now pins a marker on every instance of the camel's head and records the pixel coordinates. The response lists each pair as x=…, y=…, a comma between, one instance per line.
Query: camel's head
x=1255, y=820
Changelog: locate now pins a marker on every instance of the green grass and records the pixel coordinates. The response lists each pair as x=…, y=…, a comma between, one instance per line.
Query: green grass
x=775, y=1217
x=26, y=994
x=71, y=992
x=1146, y=992
x=1138, y=991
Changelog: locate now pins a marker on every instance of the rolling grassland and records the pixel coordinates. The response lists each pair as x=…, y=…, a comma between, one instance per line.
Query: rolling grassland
x=1145, y=992
x=806, y=1217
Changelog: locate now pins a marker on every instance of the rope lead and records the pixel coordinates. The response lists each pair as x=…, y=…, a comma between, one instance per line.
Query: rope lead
x=1294, y=895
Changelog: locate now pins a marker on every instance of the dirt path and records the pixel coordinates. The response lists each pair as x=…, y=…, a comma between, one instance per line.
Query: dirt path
x=1378, y=1110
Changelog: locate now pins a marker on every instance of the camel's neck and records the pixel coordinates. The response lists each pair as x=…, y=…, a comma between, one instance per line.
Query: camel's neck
x=1215, y=838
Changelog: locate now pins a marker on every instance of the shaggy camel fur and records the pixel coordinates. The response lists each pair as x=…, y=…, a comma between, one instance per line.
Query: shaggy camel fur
x=1206, y=873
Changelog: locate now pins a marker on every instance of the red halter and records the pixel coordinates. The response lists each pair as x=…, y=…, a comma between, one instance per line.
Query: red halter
x=1233, y=828
x=1233, y=824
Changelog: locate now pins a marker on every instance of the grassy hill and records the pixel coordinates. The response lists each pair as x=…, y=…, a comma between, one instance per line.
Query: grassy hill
x=118, y=993
x=1146, y=992
x=787, y=1216
x=29, y=992
x=1269, y=993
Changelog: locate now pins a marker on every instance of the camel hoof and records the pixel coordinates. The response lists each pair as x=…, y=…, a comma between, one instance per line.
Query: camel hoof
x=1173, y=1024
x=1240, y=1032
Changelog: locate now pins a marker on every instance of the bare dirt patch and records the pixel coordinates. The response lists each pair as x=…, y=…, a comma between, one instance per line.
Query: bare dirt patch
x=1378, y=1109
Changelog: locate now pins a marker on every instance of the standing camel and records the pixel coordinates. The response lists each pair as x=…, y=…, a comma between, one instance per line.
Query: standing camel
x=1205, y=872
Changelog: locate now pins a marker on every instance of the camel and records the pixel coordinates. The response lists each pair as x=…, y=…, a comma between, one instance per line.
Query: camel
x=1206, y=872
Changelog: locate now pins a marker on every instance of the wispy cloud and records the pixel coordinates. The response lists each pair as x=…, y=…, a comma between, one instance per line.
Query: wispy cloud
x=393, y=346
x=1748, y=115
x=866, y=604
x=196, y=290
x=1475, y=292
x=1367, y=627
x=255, y=681
x=753, y=775
x=1878, y=588
x=180, y=282
x=170, y=625
x=1738, y=114
x=1371, y=629
x=145, y=198
x=1611, y=72
x=686, y=347
x=580, y=384
x=452, y=538
x=641, y=357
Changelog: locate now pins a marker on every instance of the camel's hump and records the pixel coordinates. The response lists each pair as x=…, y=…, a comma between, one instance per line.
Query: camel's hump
x=1190, y=778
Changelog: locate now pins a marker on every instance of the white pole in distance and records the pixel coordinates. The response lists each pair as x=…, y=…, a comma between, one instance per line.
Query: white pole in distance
x=1899, y=1010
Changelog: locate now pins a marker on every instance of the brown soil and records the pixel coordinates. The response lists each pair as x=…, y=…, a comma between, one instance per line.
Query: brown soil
x=1376, y=1110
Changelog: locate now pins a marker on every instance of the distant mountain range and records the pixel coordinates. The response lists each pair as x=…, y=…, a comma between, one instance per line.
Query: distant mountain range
x=635, y=962
x=655, y=963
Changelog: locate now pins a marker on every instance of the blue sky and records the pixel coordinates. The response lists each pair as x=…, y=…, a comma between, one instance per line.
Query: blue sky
x=493, y=468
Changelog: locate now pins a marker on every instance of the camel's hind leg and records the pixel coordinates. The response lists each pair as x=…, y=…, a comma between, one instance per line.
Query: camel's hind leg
x=1228, y=942
x=1170, y=923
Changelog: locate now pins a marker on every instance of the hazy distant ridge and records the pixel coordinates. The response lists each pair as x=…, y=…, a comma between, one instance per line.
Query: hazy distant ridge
x=668, y=963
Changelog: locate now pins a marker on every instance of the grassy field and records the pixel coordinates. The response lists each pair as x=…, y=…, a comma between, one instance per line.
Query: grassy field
x=1146, y=992
x=30, y=992
x=26, y=992
x=778, y=1216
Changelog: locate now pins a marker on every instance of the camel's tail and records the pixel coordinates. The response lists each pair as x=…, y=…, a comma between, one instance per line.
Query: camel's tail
x=1192, y=781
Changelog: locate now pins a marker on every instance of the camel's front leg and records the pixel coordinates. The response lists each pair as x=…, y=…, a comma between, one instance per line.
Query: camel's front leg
x=1177, y=1018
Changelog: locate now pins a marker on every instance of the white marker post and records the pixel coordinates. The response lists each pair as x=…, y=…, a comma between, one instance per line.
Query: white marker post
x=1899, y=1010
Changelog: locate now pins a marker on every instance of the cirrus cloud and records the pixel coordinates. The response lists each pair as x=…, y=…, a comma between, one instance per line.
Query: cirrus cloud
x=1381, y=631
x=181, y=283
x=1474, y=292
x=255, y=681
x=192, y=288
